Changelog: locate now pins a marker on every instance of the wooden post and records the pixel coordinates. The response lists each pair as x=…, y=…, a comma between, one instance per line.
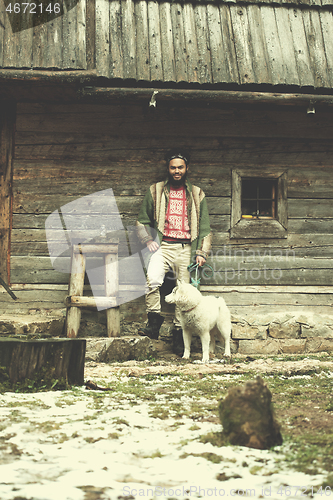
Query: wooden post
x=7, y=130
x=76, y=283
x=111, y=281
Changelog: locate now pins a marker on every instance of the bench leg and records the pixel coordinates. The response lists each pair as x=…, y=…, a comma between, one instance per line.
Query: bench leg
x=76, y=283
x=111, y=280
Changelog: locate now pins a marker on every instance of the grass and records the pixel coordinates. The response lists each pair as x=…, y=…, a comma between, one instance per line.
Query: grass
x=44, y=380
x=310, y=452
x=301, y=403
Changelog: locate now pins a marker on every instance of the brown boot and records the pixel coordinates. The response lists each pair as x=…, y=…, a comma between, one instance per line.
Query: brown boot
x=152, y=329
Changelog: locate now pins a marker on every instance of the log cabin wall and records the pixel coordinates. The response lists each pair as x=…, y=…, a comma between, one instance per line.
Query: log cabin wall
x=32, y=37
x=63, y=152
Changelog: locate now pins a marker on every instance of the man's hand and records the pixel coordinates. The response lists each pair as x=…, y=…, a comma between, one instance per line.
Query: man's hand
x=200, y=260
x=152, y=246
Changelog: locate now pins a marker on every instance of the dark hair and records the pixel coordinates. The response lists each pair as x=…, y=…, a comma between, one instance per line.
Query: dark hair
x=178, y=153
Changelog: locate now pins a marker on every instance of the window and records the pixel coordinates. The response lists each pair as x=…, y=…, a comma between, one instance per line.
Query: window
x=258, y=198
x=259, y=204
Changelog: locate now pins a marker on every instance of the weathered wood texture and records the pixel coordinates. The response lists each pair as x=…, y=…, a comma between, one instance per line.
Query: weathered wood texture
x=253, y=42
x=221, y=42
x=58, y=358
x=65, y=152
x=75, y=301
x=7, y=124
x=27, y=41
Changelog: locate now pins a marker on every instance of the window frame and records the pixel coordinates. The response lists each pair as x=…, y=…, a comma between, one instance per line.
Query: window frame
x=263, y=228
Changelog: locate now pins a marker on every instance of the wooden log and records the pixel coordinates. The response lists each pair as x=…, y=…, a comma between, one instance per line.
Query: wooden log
x=90, y=33
x=7, y=124
x=111, y=290
x=97, y=248
x=210, y=95
x=102, y=36
x=61, y=359
x=42, y=75
x=75, y=288
x=91, y=302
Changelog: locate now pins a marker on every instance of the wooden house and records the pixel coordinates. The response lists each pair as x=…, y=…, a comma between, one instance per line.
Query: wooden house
x=93, y=96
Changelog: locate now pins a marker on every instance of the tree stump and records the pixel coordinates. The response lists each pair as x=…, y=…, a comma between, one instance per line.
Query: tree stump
x=63, y=359
x=247, y=416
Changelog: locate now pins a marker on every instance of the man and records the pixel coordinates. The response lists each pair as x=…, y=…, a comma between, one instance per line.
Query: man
x=177, y=212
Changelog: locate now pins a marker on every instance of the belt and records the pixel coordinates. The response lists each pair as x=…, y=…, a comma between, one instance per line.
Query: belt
x=183, y=242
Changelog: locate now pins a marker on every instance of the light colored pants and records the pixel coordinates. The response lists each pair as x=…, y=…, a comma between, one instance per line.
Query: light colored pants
x=170, y=256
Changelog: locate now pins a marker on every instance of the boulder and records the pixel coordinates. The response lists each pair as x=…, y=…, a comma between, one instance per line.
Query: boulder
x=319, y=330
x=285, y=330
x=125, y=348
x=31, y=324
x=248, y=332
x=269, y=346
x=247, y=416
x=319, y=345
x=292, y=346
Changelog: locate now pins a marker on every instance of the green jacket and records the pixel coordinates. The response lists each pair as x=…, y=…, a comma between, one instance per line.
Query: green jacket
x=153, y=211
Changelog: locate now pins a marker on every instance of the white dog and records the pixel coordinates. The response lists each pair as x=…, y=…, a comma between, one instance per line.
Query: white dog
x=206, y=316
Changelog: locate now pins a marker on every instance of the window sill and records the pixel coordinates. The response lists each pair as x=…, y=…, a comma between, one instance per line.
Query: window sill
x=257, y=217
x=256, y=228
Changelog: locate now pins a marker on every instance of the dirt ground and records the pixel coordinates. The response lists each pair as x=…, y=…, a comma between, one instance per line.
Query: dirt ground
x=304, y=408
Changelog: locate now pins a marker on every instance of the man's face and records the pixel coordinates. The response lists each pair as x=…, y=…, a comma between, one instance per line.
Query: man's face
x=177, y=171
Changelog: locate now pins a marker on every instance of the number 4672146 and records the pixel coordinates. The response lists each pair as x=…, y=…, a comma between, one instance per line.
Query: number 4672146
x=33, y=8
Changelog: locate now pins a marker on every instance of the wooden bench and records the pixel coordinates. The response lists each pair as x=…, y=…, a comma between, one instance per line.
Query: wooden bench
x=76, y=301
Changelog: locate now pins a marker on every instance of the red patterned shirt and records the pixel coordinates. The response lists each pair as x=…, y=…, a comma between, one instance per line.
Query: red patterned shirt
x=176, y=221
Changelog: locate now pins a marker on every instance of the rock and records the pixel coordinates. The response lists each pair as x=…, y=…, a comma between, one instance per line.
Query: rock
x=34, y=324
x=269, y=346
x=248, y=332
x=319, y=345
x=118, y=349
x=292, y=346
x=287, y=330
x=247, y=417
x=319, y=330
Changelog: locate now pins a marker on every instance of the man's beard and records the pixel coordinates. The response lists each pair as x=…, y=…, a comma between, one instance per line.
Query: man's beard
x=177, y=182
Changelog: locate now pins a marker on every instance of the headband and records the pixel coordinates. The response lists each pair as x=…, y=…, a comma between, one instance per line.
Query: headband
x=178, y=156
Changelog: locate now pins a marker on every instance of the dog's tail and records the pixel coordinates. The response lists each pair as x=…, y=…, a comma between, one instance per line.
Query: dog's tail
x=224, y=317
x=224, y=324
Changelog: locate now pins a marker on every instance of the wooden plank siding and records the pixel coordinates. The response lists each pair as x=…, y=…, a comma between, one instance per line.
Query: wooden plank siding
x=222, y=42
x=63, y=152
x=58, y=44
x=7, y=137
x=225, y=42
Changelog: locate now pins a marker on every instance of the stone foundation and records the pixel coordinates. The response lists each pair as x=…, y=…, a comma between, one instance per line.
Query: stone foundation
x=284, y=334
x=266, y=334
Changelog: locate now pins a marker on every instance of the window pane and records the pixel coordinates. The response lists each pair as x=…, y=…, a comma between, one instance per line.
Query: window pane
x=249, y=188
x=249, y=207
x=265, y=208
x=266, y=188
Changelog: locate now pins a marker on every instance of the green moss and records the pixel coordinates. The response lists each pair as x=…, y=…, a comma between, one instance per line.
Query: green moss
x=44, y=380
x=159, y=412
x=211, y=457
x=120, y=421
x=310, y=453
x=214, y=438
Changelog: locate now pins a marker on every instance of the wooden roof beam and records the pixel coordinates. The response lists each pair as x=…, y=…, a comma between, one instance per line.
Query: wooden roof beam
x=79, y=76
x=153, y=95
